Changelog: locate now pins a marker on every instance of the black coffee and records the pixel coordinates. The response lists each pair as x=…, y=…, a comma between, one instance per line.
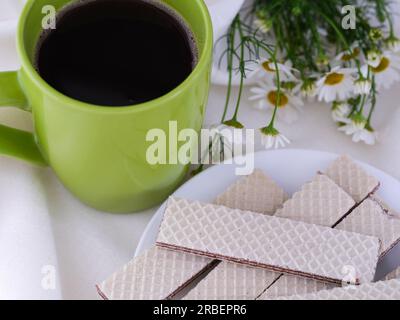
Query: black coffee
x=116, y=52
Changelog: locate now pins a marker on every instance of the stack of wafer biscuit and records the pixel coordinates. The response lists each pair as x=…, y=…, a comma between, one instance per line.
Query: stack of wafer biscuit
x=255, y=243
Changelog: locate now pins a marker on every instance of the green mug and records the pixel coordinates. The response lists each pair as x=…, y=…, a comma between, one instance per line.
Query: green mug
x=99, y=153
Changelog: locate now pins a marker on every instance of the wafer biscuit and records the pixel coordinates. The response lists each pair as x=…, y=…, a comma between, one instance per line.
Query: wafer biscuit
x=390, y=211
x=257, y=193
x=320, y=202
x=370, y=219
x=277, y=244
x=228, y=280
x=352, y=178
x=382, y=290
x=157, y=274
x=288, y=285
x=232, y=281
x=126, y=283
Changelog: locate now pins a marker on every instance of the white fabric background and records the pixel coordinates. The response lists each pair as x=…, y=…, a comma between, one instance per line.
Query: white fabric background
x=41, y=224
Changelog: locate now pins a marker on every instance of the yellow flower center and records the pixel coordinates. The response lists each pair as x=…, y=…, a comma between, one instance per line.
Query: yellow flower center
x=334, y=78
x=273, y=98
x=385, y=63
x=266, y=66
x=354, y=54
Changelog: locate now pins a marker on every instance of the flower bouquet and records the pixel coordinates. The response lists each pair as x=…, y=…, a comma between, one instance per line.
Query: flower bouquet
x=342, y=53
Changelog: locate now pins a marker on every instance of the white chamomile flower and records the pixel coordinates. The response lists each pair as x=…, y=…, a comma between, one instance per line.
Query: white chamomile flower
x=267, y=67
x=376, y=34
x=338, y=84
x=349, y=55
x=374, y=58
x=340, y=111
x=306, y=88
x=358, y=129
x=221, y=139
x=362, y=86
x=272, y=138
x=367, y=136
x=262, y=24
x=393, y=44
x=265, y=97
x=387, y=72
x=352, y=126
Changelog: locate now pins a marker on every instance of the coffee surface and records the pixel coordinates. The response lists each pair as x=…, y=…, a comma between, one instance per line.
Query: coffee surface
x=116, y=52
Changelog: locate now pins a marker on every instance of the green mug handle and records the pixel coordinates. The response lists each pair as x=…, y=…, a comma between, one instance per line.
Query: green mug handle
x=13, y=142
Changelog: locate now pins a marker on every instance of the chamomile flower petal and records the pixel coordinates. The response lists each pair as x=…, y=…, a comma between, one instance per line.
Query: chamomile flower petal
x=265, y=97
x=306, y=88
x=272, y=138
x=338, y=84
x=362, y=86
x=393, y=44
x=374, y=58
x=266, y=67
x=349, y=55
x=340, y=111
x=281, y=141
x=387, y=72
x=366, y=136
x=357, y=128
x=221, y=139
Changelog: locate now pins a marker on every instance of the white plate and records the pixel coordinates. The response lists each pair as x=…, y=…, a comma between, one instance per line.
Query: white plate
x=290, y=169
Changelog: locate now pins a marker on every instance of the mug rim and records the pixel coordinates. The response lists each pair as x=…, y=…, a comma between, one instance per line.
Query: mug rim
x=203, y=62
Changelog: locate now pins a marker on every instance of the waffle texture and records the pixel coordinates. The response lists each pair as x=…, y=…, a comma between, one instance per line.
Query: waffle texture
x=232, y=281
x=383, y=290
x=320, y=202
x=148, y=277
x=155, y=275
x=370, y=219
x=352, y=178
x=274, y=243
x=288, y=285
x=257, y=193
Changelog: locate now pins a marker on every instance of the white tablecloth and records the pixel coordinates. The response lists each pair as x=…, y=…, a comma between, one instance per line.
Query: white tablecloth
x=53, y=247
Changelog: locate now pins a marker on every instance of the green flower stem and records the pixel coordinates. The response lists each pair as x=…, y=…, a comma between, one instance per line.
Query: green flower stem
x=362, y=105
x=237, y=23
x=343, y=39
x=358, y=64
x=390, y=21
x=383, y=13
x=295, y=30
x=316, y=36
x=364, y=98
x=242, y=69
x=278, y=99
x=338, y=32
x=231, y=44
x=373, y=102
x=278, y=80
